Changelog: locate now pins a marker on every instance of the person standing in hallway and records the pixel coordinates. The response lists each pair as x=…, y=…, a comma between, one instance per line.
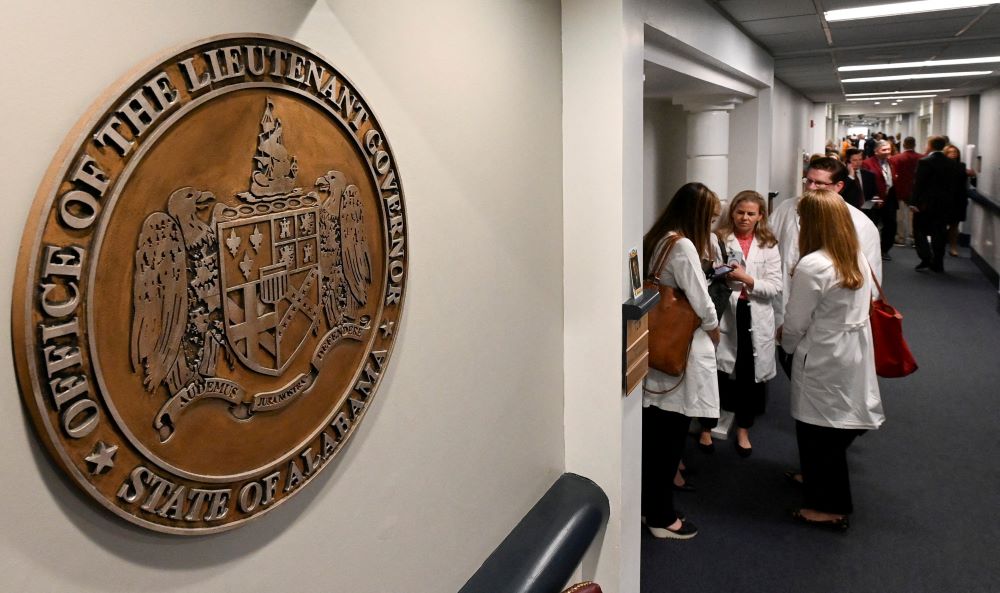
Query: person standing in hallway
x=835, y=395
x=904, y=168
x=939, y=183
x=746, y=351
x=669, y=403
x=961, y=204
x=822, y=174
x=884, y=212
x=859, y=187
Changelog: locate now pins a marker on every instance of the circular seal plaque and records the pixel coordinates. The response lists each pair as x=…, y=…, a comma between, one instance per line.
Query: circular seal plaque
x=210, y=283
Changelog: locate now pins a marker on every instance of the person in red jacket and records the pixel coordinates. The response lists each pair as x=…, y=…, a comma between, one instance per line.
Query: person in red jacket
x=904, y=168
x=884, y=212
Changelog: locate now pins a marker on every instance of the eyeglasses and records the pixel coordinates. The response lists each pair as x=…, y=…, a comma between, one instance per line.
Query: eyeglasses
x=813, y=183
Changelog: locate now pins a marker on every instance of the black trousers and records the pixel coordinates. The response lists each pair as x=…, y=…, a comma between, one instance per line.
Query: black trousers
x=885, y=219
x=663, y=437
x=742, y=395
x=826, y=485
x=925, y=225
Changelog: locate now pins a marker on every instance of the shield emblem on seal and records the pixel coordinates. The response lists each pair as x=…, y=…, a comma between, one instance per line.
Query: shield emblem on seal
x=270, y=279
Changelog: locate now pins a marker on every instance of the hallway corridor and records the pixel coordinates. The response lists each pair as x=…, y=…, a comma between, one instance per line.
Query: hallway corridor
x=926, y=485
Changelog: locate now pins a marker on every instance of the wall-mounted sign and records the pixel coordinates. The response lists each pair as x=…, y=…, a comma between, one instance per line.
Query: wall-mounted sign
x=210, y=284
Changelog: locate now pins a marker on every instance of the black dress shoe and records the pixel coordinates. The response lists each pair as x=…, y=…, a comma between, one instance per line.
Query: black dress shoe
x=922, y=266
x=743, y=452
x=886, y=257
x=938, y=269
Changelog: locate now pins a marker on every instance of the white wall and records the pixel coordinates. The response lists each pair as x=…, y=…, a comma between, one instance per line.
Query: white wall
x=750, y=145
x=467, y=429
x=696, y=24
x=664, y=156
x=989, y=142
x=791, y=136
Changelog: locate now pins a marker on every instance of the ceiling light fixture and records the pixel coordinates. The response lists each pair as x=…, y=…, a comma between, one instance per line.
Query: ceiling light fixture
x=893, y=98
x=926, y=63
x=877, y=103
x=918, y=76
x=898, y=8
x=897, y=93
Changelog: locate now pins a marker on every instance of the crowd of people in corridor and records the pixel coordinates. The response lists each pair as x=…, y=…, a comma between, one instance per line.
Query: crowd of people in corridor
x=798, y=284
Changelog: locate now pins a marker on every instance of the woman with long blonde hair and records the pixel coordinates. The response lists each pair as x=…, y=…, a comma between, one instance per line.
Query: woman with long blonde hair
x=835, y=394
x=669, y=403
x=745, y=355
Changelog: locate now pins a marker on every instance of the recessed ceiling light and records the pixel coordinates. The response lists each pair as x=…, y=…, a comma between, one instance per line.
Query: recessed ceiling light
x=895, y=65
x=897, y=8
x=897, y=93
x=877, y=103
x=917, y=76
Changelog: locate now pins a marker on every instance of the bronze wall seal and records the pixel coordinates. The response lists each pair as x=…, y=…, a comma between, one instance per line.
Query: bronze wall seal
x=210, y=283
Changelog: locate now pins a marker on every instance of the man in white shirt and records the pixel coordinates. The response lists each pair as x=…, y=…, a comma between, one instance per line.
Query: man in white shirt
x=823, y=173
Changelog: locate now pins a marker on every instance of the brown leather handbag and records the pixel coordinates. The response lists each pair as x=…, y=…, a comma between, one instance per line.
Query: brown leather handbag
x=672, y=321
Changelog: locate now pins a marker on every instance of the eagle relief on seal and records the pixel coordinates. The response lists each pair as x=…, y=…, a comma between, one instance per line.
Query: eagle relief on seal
x=248, y=284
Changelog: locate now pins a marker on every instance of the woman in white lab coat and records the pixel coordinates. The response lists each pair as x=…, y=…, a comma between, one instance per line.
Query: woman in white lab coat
x=835, y=394
x=669, y=402
x=746, y=351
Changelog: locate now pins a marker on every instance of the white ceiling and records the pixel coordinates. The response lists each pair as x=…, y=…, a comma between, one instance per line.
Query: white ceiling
x=795, y=33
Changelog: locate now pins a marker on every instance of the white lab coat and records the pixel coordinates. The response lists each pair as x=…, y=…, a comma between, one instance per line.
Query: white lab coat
x=763, y=264
x=784, y=223
x=827, y=327
x=697, y=395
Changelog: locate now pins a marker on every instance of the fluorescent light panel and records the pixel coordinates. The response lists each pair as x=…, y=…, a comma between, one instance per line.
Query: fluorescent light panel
x=897, y=93
x=892, y=98
x=918, y=76
x=898, y=8
x=896, y=65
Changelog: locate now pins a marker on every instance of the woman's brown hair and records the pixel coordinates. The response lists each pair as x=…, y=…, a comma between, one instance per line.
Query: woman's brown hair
x=688, y=214
x=763, y=234
x=825, y=223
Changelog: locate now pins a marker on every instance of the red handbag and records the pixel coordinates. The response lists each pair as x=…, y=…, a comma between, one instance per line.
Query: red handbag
x=892, y=354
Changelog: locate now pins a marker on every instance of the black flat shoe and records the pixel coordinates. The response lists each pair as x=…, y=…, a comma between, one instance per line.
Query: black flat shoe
x=686, y=487
x=743, y=452
x=706, y=448
x=839, y=525
x=790, y=476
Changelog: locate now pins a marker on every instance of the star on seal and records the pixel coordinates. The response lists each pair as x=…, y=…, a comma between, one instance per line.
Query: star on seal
x=102, y=457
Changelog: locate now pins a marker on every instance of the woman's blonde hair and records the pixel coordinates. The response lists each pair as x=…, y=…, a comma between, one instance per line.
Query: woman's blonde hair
x=689, y=214
x=763, y=234
x=825, y=223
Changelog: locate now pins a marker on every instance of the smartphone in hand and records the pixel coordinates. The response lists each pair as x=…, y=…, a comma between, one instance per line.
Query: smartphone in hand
x=720, y=272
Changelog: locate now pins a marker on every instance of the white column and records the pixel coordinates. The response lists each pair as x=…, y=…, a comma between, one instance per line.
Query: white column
x=958, y=122
x=708, y=142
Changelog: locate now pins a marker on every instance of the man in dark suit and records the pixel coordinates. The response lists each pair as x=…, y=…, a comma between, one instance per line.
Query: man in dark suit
x=904, y=168
x=859, y=187
x=937, y=185
x=884, y=211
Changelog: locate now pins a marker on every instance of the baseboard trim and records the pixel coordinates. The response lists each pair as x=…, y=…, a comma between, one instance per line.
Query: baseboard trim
x=988, y=271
